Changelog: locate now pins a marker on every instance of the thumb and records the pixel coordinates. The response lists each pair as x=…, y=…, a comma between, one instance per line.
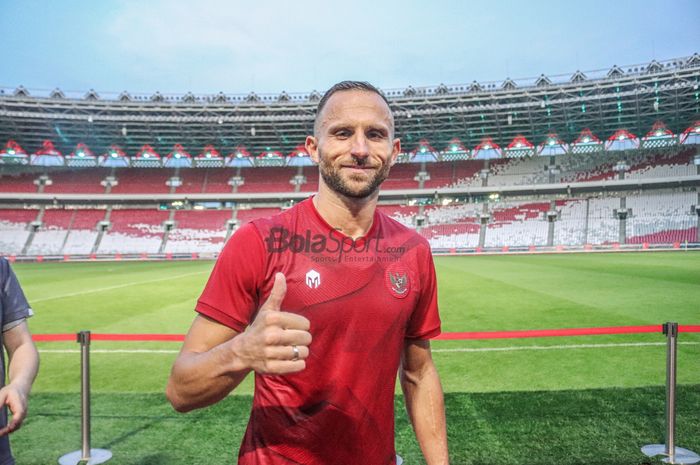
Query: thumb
x=279, y=290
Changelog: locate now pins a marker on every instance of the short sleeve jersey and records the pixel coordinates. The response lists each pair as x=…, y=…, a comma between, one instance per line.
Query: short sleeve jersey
x=13, y=308
x=363, y=299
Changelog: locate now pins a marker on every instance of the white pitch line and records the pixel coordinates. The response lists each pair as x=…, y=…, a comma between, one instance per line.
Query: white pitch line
x=558, y=347
x=109, y=288
x=463, y=349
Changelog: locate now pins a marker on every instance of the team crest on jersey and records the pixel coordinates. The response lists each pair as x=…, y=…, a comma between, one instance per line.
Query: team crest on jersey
x=398, y=282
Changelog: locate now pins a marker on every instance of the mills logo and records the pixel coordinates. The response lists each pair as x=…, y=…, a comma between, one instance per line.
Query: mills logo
x=313, y=279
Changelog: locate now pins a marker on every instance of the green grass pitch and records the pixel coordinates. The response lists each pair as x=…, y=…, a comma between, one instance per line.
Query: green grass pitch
x=573, y=400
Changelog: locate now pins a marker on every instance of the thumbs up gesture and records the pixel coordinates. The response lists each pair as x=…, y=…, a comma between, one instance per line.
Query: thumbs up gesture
x=277, y=342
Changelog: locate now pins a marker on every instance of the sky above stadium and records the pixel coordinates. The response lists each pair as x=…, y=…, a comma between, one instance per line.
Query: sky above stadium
x=207, y=46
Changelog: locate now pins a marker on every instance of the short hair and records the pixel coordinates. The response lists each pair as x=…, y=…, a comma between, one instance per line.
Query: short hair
x=348, y=85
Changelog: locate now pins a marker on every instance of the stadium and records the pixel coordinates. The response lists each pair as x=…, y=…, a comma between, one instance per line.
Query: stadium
x=590, y=161
x=528, y=190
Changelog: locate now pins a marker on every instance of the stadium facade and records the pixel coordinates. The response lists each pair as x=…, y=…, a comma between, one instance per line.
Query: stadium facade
x=588, y=160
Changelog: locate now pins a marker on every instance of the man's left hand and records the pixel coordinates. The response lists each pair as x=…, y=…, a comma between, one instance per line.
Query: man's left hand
x=16, y=400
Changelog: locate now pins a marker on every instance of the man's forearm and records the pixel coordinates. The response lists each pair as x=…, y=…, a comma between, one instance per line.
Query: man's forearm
x=426, y=408
x=201, y=379
x=24, y=365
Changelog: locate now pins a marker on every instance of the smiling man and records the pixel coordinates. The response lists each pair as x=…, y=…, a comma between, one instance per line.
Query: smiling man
x=325, y=302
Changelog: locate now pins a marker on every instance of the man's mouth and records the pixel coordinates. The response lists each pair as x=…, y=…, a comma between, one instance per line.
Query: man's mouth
x=357, y=167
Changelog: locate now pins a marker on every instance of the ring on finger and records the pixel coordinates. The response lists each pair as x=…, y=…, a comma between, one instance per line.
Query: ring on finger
x=295, y=350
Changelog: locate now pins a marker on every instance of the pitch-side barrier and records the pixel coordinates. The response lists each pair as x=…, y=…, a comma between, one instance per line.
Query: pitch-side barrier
x=672, y=453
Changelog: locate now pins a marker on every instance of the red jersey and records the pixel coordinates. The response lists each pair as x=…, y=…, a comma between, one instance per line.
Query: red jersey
x=363, y=299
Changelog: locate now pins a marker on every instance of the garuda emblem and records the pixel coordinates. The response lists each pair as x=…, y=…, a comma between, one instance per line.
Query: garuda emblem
x=398, y=282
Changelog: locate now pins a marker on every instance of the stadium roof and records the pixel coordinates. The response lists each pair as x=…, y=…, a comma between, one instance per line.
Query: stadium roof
x=631, y=98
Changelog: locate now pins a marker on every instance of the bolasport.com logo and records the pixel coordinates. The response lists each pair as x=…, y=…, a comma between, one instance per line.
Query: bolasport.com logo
x=330, y=248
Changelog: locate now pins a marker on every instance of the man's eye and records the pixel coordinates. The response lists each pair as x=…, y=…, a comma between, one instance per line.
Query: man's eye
x=342, y=133
x=375, y=135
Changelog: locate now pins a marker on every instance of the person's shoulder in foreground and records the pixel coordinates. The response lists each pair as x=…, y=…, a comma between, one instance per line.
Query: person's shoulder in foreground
x=22, y=354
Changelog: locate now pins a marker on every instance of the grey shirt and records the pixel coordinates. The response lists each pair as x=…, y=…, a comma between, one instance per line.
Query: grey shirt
x=14, y=309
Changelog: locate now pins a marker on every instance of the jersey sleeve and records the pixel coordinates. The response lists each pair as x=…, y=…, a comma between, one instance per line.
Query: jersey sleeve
x=231, y=295
x=425, y=319
x=13, y=302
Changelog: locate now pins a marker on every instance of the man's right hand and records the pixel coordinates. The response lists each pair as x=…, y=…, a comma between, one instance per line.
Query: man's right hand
x=276, y=342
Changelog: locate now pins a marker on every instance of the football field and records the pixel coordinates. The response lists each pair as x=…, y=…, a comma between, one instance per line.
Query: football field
x=558, y=400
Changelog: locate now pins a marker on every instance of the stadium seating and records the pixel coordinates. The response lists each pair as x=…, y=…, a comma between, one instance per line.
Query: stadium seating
x=14, y=229
x=49, y=238
x=78, y=181
x=401, y=213
x=273, y=179
x=451, y=236
x=23, y=182
x=83, y=232
x=402, y=177
x=201, y=231
x=134, y=231
x=142, y=180
x=664, y=166
x=216, y=180
x=661, y=218
x=194, y=181
x=522, y=224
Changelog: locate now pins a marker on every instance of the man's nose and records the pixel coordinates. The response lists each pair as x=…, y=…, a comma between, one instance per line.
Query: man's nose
x=360, y=147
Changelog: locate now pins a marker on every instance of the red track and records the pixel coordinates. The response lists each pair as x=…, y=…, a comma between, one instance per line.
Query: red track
x=443, y=336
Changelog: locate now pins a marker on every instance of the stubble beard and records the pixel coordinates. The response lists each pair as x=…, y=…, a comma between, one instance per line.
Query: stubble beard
x=334, y=180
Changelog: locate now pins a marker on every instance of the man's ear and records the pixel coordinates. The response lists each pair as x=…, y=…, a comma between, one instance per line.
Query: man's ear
x=311, y=145
x=395, y=150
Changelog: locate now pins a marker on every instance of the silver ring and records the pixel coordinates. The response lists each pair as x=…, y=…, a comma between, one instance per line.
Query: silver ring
x=295, y=349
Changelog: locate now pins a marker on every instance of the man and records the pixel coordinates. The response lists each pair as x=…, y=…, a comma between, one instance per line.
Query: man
x=22, y=354
x=324, y=302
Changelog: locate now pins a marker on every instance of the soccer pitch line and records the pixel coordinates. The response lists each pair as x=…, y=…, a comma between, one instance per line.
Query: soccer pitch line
x=118, y=286
x=462, y=349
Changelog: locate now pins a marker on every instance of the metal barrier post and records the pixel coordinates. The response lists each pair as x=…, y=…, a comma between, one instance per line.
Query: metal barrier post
x=673, y=454
x=86, y=455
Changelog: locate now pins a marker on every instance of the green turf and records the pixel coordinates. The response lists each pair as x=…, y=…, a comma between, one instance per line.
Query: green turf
x=592, y=427
x=487, y=381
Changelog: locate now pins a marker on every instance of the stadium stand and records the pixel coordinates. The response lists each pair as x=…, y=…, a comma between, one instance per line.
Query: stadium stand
x=142, y=180
x=603, y=227
x=516, y=224
x=51, y=235
x=485, y=183
x=18, y=182
x=194, y=181
x=216, y=180
x=14, y=229
x=77, y=181
x=402, y=213
x=134, y=231
x=83, y=231
x=572, y=224
x=402, y=177
x=661, y=218
x=201, y=231
x=273, y=179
